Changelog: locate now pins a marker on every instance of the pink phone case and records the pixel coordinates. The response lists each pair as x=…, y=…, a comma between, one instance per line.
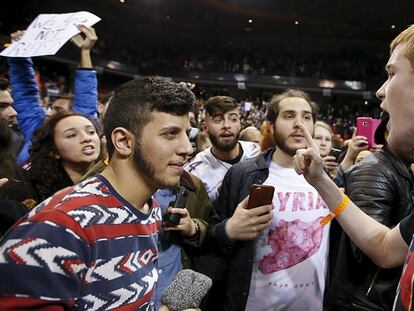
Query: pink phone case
x=366, y=127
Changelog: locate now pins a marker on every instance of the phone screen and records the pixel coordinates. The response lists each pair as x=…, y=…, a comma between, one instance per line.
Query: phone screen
x=336, y=153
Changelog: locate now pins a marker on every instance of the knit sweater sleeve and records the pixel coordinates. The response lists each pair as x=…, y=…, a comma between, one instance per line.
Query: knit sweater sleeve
x=44, y=259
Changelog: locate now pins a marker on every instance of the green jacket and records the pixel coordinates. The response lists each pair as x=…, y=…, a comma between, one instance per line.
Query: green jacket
x=201, y=210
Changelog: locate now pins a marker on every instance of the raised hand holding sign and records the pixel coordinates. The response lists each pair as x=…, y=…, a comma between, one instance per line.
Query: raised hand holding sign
x=48, y=33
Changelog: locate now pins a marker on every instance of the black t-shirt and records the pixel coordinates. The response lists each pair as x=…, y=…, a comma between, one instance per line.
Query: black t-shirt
x=404, y=300
x=10, y=212
x=236, y=159
x=407, y=228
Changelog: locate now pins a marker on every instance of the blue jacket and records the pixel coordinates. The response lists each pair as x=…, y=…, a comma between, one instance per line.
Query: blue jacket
x=25, y=92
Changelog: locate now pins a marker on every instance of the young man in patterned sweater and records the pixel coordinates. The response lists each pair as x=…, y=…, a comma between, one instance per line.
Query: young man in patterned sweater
x=94, y=246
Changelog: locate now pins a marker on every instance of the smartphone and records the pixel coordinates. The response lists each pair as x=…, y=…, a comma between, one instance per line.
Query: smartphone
x=182, y=195
x=366, y=127
x=335, y=153
x=260, y=195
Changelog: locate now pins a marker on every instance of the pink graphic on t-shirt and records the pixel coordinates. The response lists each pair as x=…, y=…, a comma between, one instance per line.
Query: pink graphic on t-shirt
x=291, y=242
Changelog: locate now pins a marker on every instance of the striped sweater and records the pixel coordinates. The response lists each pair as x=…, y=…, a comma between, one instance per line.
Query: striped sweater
x=85, y=248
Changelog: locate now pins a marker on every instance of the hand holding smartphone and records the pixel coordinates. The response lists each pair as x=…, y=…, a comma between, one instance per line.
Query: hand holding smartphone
x=366, y=127
x=182, y=195
x=260, y=195
x=247, y=224
x=335, y=153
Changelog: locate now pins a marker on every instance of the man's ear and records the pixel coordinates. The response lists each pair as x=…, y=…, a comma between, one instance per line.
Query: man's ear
x=122, y=139
x=204, y=126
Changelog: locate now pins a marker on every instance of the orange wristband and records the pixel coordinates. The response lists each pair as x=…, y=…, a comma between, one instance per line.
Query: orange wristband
x=336, y=212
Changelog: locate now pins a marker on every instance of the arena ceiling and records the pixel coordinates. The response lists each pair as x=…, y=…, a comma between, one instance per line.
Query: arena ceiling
x=287, y=25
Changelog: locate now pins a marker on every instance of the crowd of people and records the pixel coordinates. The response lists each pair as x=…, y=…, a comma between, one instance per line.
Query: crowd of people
x=344, y=68
x=104, y=200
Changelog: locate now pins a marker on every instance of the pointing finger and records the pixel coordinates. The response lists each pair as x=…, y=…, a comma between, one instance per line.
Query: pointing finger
x=354, y=132
x=309, y=139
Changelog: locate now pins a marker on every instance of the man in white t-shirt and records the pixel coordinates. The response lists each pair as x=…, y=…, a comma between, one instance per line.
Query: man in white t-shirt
x=222, y=124
x=277, y=254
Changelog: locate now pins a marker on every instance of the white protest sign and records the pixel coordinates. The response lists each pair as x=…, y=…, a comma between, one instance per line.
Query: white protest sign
x=247, y=106
x=48, y=33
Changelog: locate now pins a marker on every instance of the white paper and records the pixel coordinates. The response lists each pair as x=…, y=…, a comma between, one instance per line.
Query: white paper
x=241, y=85
x=247, y=106
x=48, y=33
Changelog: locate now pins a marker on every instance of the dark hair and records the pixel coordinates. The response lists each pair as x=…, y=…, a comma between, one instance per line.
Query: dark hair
x=105, y=98
x=64, y=96
x=220, y=105
x=16, y=190
x=45, y=169
x=4, y=84
x=8, y=164
x=134, y=101
x=273, y=108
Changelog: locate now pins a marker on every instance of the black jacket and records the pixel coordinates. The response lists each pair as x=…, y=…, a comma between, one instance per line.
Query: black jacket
x=240, y=254
x=381, y=186
x=239, y=268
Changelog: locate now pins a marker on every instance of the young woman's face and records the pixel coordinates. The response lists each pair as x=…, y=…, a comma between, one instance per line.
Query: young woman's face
x=76, y=140
x=323, y=139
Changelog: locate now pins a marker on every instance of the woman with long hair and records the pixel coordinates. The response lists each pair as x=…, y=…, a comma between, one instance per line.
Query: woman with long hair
x=63, y=150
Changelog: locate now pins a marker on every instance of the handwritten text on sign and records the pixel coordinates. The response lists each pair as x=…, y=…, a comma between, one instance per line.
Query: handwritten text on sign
x=48, y=33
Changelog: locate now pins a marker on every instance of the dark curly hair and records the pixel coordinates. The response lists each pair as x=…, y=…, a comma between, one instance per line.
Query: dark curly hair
x=8, y=164
x=46, y=171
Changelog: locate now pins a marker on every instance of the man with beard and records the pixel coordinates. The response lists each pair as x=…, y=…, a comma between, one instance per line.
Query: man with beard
x=6, y=103
x=277, y=254
x=94, y=245
x=222, y=124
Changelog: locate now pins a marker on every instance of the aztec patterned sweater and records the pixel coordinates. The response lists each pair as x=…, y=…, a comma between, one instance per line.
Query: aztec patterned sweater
x=85, y=248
